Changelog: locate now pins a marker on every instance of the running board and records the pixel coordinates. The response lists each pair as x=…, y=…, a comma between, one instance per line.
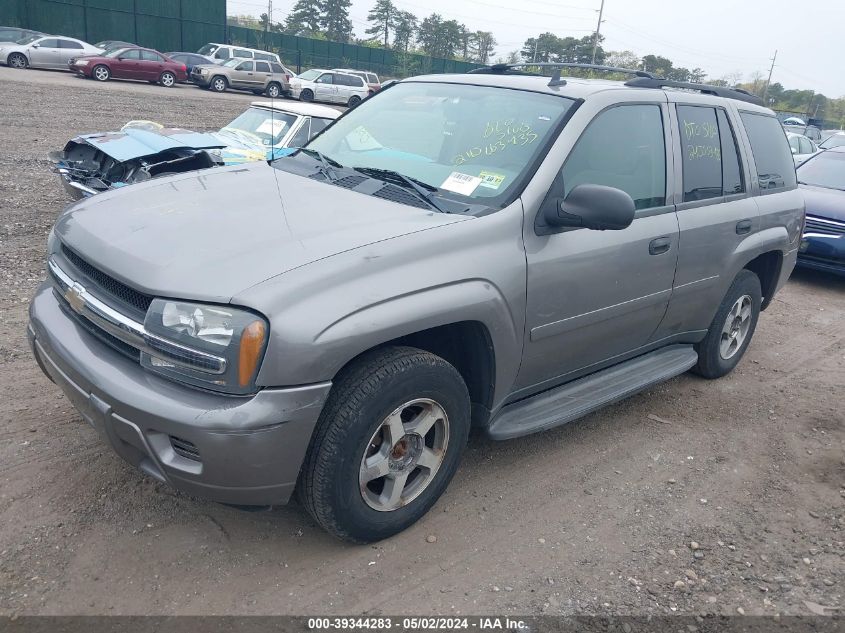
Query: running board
x=578, y=398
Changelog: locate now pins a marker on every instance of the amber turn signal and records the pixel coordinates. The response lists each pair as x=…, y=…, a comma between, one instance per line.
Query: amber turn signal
x=252, y=344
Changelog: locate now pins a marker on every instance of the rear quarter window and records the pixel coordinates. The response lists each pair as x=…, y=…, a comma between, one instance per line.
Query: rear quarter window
x=772, y=155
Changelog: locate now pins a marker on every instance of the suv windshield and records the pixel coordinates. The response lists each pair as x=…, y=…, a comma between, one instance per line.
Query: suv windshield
x=824, y=170
x=266, y=126
x=476, y=141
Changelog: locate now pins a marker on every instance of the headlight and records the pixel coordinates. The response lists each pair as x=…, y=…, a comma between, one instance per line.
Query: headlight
x=81, y=62
x=211, y=346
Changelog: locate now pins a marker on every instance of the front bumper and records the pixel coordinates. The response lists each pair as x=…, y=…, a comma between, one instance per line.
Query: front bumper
x=237, y=450
x=824, y=252
x=198, y=79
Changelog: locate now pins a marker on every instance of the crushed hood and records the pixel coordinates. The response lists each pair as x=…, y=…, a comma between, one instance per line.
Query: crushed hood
x=137, y=142
x=211, y=234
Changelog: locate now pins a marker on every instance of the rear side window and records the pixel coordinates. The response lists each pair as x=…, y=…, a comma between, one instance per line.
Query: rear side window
x=623, y=147
x=709, y=155
x=150, y=56
x=70, y=44
x=775, y=167
x=241, y=52
x=277, y=68
x=732, y=180
x=262, y=67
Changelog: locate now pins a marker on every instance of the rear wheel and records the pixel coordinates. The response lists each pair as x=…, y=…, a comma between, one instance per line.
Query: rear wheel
x=17, y=60
x=353, y=101
x=306, y=95
x=218, y=84
x=101, y=73
x=274, y=90
x=387, y=444
x=167, y=79
x=732, y=328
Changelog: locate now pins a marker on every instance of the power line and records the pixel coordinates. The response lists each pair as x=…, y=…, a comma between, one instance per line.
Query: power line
x=649, y=36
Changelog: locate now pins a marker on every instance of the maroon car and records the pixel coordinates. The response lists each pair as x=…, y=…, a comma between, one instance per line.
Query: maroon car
x=131, y=63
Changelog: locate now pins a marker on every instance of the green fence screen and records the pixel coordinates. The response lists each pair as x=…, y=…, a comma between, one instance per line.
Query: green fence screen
x=166, y=25
x=185, y=25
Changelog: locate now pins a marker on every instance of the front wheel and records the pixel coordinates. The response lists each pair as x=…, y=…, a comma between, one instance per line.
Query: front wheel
x=306, y=95
x=218, y=84
x=101, y=73
x=732, y=328
x=167, y=79
x=353, y=101
x=388, y=442
x=17, y=60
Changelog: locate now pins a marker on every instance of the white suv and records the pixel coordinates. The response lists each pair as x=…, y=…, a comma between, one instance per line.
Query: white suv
x=330, y=86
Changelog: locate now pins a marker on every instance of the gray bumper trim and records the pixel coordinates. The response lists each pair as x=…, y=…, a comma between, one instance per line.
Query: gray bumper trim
x=250, y=449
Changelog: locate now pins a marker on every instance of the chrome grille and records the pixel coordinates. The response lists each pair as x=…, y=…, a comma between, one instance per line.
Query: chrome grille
x=108, y=287
x=823, y=226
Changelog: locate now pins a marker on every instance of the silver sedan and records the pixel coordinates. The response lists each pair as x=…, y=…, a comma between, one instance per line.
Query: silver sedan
x=45, y=51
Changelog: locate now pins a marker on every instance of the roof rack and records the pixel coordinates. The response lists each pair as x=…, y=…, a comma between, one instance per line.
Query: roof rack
x=719, y=91
x=510, y=69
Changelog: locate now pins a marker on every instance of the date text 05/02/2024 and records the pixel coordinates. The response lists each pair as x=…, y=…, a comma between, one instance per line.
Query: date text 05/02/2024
x=430, y=623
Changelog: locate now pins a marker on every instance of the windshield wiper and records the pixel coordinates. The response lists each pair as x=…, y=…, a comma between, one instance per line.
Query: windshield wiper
x=422, y=189
x=327, y=164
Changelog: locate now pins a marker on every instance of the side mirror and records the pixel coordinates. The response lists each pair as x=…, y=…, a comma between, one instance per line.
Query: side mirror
x=36, y=46
x=594, y=207
x=794, y=151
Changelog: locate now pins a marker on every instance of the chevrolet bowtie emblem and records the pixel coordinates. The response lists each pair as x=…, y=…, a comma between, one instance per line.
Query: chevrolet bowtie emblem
x=75, y=297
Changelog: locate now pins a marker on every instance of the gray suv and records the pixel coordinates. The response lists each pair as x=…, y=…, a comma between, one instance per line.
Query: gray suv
x=496, y=250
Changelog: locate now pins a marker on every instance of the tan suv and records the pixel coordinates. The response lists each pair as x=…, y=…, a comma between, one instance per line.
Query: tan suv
x=257, y=76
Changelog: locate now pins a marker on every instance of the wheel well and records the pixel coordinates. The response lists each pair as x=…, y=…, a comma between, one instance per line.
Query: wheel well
x=767, y=268
x=468, y=347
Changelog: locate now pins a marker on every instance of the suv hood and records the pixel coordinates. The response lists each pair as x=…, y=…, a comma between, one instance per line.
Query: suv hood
x=210, y=234
x=824, y=203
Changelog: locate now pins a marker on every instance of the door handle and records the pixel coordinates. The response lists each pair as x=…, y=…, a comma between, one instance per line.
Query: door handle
x=659, y=245
x=743, y=227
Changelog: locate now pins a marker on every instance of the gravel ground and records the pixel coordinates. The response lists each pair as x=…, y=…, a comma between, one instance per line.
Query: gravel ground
x=694, y=497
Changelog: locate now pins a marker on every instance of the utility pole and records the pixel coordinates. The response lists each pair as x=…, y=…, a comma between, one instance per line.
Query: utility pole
x=769, y=80
x=598, y=29
x=267, y=25
x=536, y=44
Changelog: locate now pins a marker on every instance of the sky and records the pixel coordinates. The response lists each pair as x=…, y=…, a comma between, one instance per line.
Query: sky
x=721, y=36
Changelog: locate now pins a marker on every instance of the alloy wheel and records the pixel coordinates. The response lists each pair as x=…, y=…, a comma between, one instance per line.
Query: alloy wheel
x=17, y=61
x=735, y=329
x=167, y=80
x=404, y=455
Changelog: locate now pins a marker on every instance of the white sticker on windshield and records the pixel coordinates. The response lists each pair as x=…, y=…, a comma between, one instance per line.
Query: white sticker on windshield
x=463, y=184
x=273, y=127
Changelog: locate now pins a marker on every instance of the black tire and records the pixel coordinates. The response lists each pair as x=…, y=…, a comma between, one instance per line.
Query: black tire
x=218, y=83
x=363, y=396
x=17, y=60
x=306, y=95
x=167, y=79
x=274, y=90
x=712, y=360
x=354, y=100
x=101, y=72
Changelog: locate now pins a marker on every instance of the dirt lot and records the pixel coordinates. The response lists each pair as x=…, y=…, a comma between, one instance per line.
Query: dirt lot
x=596, y=517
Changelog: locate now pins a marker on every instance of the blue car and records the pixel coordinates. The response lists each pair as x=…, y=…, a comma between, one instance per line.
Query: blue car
x=822, y=179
